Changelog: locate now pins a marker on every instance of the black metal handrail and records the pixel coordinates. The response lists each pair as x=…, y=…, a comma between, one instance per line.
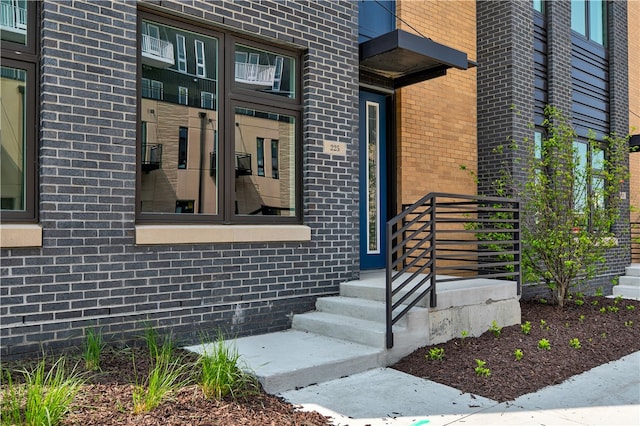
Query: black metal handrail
x=448, y=237
x=635, y=242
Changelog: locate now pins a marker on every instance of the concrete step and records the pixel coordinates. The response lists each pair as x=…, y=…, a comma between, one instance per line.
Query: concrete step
x=450, y=293
x=291, y=359
x=627, y=291
x=631, y=281
x=347, y=333
x=370, y=333
x=369, y=310
x=633, y=270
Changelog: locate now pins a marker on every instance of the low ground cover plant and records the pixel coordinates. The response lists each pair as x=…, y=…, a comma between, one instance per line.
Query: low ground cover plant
x=481, y=369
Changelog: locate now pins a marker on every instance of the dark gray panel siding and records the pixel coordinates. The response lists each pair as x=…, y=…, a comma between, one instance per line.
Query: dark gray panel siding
x=590, y=87
x=541, y=88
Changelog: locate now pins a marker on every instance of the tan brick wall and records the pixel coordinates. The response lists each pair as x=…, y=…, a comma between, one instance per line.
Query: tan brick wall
x=633, y=13
x=437, y=118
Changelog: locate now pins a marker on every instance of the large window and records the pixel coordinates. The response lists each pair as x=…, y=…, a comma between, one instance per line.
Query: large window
x=18, y=96
x=214, y=165
x=589, y=18
x=589, y=179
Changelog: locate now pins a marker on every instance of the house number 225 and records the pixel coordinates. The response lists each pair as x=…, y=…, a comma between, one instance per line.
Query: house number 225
x=335, y=148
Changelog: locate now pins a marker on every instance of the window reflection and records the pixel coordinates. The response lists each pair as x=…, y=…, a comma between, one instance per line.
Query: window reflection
x=13, y=21
x=597, y=23
x=13, y=89
x=264, y=71
x=180, y=121
x=257, y=192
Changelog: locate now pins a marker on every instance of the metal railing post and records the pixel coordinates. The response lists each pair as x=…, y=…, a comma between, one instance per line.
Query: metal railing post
x=433, y=299
x=517, y=247
x=389, y=285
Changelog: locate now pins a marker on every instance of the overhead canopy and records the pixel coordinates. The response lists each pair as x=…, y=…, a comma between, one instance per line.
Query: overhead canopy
x=634, y=143
x=398, y=58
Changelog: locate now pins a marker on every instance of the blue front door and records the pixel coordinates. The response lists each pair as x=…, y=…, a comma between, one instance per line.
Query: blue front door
x=373, y=180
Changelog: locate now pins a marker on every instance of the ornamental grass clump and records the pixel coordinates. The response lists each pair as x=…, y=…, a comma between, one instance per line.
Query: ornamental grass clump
x=167, y=374
x=92, y=349
x=221, y=372
x=44, y=398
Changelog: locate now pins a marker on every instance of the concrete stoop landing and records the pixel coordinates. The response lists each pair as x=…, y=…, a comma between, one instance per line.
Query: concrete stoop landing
x=629, y=285
x=346, y=334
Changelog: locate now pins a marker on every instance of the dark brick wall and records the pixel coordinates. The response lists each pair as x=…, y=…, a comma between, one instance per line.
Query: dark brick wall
x=505, y=88
x=617, y=20
x=89, y=272
x=559, y=55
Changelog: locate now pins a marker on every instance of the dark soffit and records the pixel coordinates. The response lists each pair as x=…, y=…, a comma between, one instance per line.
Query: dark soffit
x=398, y=58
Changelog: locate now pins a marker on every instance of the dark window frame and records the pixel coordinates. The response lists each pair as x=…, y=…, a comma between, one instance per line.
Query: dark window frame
x=275, y=158
x=228, y=97
x=592, y=172
x=26, y=57
x=260, y=156
x=587, y=23
x=183, y=147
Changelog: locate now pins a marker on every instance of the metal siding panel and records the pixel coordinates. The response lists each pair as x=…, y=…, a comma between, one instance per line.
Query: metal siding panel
x=590, y=86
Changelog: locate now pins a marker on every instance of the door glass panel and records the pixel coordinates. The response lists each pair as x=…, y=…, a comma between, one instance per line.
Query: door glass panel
x=373, y=178
x=256, y=193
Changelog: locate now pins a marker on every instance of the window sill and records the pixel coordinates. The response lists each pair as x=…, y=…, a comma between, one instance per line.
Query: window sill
x=202, y=234
x=20, y=236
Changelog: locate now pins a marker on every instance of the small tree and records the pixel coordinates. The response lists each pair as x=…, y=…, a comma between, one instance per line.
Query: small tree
x=569, y=206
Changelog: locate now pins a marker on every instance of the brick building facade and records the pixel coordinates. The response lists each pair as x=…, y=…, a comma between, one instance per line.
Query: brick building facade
x=84, y=260
x=223, y=188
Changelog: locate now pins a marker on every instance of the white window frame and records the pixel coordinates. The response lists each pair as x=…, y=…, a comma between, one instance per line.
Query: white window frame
x=183, y=95
x=209, y=97
x=201, y=69
x=154, y=88
x=182, y=53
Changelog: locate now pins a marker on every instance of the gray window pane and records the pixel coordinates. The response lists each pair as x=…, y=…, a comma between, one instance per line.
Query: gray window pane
x=257, y=194
x=12, y=188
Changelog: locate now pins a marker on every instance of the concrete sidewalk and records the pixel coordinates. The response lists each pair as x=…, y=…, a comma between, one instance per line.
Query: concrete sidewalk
x=606, y=395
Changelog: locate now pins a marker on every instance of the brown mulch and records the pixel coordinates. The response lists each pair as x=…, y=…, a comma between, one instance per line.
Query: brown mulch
x=603, y=336
x=106, y=398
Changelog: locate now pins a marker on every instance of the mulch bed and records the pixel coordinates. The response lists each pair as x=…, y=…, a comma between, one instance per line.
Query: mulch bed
x=603, y=336
x=106, y=398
